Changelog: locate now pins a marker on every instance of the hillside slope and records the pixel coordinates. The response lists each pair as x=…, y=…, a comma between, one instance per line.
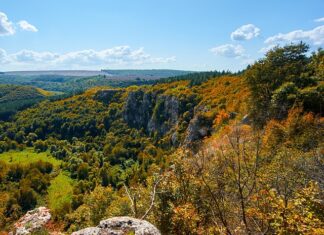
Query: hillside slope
x=14, y=98
x=236, y=154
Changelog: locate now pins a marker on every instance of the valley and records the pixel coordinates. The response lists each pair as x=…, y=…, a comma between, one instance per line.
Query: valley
x=198, y=153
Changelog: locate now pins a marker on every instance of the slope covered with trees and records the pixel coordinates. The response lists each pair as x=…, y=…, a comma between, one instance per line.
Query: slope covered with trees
x=233, y=154
x=14, y=98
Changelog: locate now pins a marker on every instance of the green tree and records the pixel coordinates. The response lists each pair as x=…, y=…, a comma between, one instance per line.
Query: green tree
x=281, y=65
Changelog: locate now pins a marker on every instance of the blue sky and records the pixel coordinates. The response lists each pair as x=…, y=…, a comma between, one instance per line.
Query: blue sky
x=175, y=34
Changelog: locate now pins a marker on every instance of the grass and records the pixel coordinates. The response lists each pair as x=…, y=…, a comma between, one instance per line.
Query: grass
x=48, y=93
x=44, y=92
x=60, y=194
x=27, y=156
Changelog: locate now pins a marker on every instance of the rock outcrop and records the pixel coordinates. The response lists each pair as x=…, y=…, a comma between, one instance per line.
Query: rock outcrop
x=165, y=115
x=199, y=127
x=32, y=220
x=106, y=96
x=121, y=226
x=161, y=114
x=151, y=111
x=138, y=109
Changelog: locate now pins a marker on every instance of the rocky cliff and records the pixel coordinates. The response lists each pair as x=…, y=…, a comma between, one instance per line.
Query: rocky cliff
x=152, y=111
x=160, y=114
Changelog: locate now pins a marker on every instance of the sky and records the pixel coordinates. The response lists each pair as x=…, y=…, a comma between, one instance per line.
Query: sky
x=144, y=34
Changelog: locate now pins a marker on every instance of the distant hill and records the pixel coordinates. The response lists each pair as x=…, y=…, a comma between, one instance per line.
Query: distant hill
x=73, y=81
x=15, y=97
x=76, y=73
x=146, y=73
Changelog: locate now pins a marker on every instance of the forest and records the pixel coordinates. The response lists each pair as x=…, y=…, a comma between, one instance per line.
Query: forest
x=202, y=153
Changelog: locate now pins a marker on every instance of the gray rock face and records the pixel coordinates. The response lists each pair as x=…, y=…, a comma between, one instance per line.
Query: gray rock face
x=161, y=114
x=165, y=115
x=153, y=112
x=106, y=96
x=32, y=220
x=138, y=109
x=199, y=126
x=121, y=226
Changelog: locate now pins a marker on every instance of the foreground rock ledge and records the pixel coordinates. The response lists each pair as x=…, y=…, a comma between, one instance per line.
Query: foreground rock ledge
x=32, y=220
x=121, y=226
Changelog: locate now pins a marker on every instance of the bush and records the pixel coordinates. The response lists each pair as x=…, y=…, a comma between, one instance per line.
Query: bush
x=26, y=198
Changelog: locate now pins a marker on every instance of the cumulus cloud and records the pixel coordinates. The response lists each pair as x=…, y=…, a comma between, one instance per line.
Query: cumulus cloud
x=24, y=25
x=121, y=55
x=115, y=55
x=3, y=55
x=245, y=32
x=319, y=20
x=27, y=56
x=314, y=36
x=228, y=50
x=267, y=48
x=6, y=26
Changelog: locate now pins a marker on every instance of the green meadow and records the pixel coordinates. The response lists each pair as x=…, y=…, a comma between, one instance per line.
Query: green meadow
x=28, y=156
x=60, y=194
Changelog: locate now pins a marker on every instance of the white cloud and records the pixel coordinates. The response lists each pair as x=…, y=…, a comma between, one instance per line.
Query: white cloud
x=264, y=50
x=115, y=55
x=228, y=50
x=24, y=25
x=121, y=55
x=3, y=56
x=314, y=36
x=27, y=56
x=6, y=26
x=245, y=32
x=319, y=20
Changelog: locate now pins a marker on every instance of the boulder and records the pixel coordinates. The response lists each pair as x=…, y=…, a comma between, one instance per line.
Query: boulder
x=88, y=231
x=121, y=226
x=32, y=220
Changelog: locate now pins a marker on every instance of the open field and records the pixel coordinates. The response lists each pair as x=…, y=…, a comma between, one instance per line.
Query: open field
x=27, y=156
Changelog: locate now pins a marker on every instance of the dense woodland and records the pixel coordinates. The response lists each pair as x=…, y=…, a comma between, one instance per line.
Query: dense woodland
x=14, y=98
x=222, y=154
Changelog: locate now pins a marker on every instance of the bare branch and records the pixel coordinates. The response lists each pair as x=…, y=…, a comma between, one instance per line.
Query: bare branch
x=152, y=197
x=131, y=199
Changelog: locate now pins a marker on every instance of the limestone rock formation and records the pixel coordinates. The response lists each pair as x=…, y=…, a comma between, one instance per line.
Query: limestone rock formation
x=199, y=127
x=162, y=114
x=151, y=111
x=138, y=109
x=106, y=96
x=165, y=115
x=32, y=220
x=121, y=226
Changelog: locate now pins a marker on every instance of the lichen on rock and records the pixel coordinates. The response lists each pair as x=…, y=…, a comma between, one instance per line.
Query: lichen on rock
x=32, y=220
x=121, y=226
